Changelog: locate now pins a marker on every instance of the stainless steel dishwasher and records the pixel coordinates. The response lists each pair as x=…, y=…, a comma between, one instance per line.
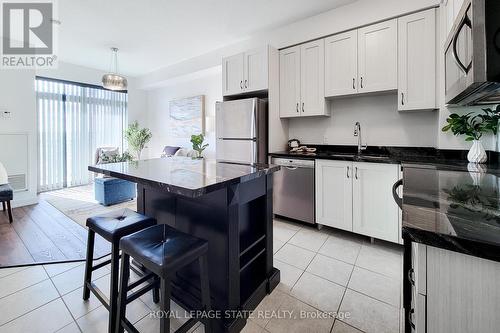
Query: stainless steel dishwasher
x=293, y=195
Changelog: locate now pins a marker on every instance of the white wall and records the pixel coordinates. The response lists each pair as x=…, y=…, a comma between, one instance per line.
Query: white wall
x=17, y=95
x=381, y=124
x=209, y=84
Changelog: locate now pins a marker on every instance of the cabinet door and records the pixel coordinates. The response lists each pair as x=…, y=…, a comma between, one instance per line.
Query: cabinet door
x=417, y=61
x=375, y=213
x=232, y=74
x=334, y=194
x=256, y=70
x=290, y=82
x=312, y=75
x=341, y=64
x=377, y=57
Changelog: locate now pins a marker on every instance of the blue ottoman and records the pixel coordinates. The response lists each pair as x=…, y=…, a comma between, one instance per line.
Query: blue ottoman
x=110, y=191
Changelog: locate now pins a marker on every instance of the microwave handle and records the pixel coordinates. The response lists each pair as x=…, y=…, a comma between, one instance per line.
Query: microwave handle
x=465, y=22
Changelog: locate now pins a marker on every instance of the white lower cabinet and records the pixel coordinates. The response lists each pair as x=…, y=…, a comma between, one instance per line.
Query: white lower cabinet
x=334, y=194
x=453, y=292
x=357, y=196
x=374, y=211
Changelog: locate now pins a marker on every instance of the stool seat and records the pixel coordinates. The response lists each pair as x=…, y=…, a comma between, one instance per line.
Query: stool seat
x=163, y=249
x=6, y=192
x=114, y=225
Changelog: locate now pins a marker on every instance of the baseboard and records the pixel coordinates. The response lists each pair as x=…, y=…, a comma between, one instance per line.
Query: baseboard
x=22, y=199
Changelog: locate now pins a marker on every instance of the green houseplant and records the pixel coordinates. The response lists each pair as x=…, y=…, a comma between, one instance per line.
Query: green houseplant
x=137, y=138
x=198, y=146
x=473, y=126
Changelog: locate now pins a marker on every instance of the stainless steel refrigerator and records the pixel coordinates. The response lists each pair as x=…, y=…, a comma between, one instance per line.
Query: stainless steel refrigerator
x=241, y=131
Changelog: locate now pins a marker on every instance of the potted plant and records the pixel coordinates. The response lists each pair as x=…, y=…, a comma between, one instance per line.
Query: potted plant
x=137, y=138
x=473, y=127
x=198, y=146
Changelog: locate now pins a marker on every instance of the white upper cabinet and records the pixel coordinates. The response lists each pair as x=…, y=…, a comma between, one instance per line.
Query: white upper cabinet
x=256, y=70
x=341, y=64
x=290, y=82
x=302, y=80
x=377, y=57
x=334, y=194
x=312, y=78
x=375, y=213
x=245, y=72
x=417, y=61
x=232, y=74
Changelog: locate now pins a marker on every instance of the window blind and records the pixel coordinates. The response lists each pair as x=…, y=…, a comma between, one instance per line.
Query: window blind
x=73, y=121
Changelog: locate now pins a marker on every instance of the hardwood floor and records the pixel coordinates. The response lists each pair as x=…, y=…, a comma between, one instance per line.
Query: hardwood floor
x=42, y=234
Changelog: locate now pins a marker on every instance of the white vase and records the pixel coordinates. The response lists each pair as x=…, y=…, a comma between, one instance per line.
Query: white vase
x=477, y=154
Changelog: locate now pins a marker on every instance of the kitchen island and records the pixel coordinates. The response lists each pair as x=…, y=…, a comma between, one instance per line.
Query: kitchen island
x=229, y=205
x=451, y=232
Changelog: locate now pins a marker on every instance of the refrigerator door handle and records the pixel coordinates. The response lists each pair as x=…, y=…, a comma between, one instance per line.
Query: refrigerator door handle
x=253, y=120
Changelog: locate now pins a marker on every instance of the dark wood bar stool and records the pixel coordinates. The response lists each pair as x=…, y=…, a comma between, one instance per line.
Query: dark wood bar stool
x=163, y=250
x=112, y=227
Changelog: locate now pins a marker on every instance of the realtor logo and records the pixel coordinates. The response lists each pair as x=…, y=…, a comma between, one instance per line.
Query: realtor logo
x=28, y=34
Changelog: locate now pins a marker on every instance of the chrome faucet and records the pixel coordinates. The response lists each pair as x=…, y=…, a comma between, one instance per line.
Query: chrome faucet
x=357, y=132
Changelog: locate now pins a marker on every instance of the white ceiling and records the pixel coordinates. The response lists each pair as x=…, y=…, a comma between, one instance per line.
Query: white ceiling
x=152, y=34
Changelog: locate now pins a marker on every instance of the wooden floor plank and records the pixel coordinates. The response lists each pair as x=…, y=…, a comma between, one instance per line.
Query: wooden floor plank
x=68, y=244
x=101, y=246
x=35, y=240
x=12, y=249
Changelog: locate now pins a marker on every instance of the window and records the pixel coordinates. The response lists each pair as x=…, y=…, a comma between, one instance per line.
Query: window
x=75, y=119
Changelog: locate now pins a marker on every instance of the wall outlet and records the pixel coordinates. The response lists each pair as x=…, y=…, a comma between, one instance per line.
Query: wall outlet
x=325, y=140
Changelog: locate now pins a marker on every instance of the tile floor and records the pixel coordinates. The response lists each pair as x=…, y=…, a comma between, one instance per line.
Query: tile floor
x=325, y=271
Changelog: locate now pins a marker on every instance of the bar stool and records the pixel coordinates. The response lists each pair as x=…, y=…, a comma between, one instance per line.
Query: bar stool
x=112, y=227
x=163, y=250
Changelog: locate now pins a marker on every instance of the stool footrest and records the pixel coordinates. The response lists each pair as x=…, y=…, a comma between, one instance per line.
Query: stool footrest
x=127, y=325
x=187, y=326
x=135, y=295
x=143, y=279
x=101, y=265
x=99, y=294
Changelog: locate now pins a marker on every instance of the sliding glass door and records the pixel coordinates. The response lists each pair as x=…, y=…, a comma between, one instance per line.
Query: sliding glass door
x=73, y=121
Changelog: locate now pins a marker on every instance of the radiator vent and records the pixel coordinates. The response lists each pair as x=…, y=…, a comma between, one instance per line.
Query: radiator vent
x=18, y=182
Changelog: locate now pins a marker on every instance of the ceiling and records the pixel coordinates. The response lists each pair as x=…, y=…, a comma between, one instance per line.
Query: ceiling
x=152, y=34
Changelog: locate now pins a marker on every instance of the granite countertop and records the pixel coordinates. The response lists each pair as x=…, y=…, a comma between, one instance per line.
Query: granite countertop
x=184, y=175
x=406, y=156
x=452, y=209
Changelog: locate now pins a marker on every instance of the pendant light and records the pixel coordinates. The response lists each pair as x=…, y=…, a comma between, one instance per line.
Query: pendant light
x=113, y=80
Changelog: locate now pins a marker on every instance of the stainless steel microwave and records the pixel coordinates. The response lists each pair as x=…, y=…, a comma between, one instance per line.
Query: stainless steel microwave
x=472, y=55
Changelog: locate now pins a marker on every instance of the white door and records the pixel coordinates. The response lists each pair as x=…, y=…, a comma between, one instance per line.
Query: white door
x=256, y=70
x=377, y=57
x=417, y=61
x=334, y=194
x=341, y=64
x=312, y=75
x=375, y=213
x=232, y=74
x=290, y=82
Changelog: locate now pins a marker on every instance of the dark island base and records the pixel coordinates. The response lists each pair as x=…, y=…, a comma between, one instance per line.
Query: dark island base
x=237, y=222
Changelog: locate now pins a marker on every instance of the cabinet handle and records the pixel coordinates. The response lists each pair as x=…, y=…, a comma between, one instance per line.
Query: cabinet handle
x=410, y=316
x=402, y=98
x=356, y=172
x=361, y=82
x=354, y=83
x=246, y=83
x=410, y=276
x=241, y=84
x=303, y=107
x=297, y=107
x=347, y=172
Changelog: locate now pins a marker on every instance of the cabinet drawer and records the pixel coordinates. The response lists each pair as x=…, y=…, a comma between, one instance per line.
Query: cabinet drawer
x=418, y=272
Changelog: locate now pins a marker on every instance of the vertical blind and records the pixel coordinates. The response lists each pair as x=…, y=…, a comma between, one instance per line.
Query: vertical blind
x=73, y=121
